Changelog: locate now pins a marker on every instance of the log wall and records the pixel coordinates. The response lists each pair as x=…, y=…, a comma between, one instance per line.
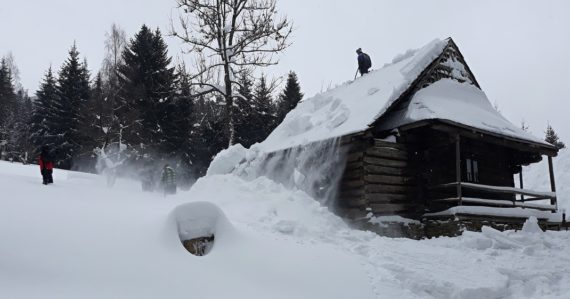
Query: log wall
x=378, y=180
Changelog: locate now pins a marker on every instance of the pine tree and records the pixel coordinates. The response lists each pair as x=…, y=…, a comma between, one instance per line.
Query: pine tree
x=209, y=136
x=289, y=98
x=244, y=109
x=552, y=138
x=7, y=92
x=21, y=132
x=70, y=109
x=43, y=116
x=263, y=114
x=8, y=106
x=148, y=87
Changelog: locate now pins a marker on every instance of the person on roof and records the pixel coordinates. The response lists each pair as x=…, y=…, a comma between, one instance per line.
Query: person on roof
x=46, y=164
x=364, y=62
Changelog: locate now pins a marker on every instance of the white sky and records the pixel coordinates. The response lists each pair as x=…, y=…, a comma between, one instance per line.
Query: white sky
x=518, y=50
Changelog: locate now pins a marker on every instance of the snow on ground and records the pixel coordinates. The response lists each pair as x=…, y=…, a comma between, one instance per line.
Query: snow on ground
x=79, y=239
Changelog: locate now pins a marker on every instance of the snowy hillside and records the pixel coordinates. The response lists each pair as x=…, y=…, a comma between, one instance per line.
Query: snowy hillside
x=79, y=239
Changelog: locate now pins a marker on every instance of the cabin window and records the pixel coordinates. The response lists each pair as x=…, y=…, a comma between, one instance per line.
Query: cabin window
x=472, y=169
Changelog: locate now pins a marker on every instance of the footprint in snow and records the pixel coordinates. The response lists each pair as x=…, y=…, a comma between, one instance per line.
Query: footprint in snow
x=373, y=90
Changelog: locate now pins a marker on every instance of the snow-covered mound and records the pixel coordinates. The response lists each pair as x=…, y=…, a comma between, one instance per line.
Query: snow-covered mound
x=79, y=239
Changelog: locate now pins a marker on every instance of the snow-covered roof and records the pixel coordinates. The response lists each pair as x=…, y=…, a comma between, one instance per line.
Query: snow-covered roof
x=354, y=106
x=461, y=103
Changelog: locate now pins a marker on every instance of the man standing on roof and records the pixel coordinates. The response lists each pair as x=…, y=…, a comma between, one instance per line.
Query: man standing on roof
x=364, y=62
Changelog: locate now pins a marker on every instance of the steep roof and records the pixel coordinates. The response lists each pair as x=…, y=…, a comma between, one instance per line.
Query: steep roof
x=357, y=105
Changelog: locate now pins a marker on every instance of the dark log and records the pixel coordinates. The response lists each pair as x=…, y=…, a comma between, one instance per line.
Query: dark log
x=389, y=153
x=352, y=213
x=353, y=175
x=379, y=188
x=356, y=156
x=353, y=202
x=384, y=162
x=382, y=143
x=374, y=169
x=352, y=183
x=390, y=208
x=354, y=165
x=387, y=179
x=387, y=198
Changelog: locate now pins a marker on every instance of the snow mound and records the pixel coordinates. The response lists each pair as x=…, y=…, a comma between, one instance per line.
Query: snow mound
x=531, y=225
x=226, y=160
x=201, y=219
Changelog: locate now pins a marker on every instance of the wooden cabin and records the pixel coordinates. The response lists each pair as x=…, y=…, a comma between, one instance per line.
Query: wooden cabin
x=436, y=150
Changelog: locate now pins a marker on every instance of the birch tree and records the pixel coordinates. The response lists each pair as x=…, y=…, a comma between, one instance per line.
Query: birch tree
x=226, y=36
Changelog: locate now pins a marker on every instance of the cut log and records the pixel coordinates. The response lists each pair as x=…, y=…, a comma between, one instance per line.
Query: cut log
x=356, y=156
x=374, y=169
x=391, y=189
x=351, y=192
x=384, y=162
x=354, y=165
x=389, y=153
x=382, y=143
x=353, y=202
x=389, y=208
x=387, y=198
x=352, y=183
x=387, y=179
x=353, y=174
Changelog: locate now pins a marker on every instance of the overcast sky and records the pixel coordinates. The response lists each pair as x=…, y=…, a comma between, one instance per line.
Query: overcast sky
x=518, y=50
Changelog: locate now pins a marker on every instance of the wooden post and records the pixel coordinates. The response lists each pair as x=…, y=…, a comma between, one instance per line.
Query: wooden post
x=458, y=167
x=553, y=201
x=521, y=184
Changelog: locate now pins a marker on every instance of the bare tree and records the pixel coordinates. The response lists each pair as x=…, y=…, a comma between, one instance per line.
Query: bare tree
x=227, y=36
x=115, y=43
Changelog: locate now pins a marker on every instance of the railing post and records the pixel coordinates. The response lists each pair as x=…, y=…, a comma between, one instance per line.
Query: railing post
x=553, y=201
x=458, y=166
x=521, y=184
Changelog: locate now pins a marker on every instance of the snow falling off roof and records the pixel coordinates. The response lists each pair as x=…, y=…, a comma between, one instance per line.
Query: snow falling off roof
x=462, y=103
x=351, y=107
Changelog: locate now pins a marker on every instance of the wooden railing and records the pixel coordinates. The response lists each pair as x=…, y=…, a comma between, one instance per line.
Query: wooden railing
x=531, y=195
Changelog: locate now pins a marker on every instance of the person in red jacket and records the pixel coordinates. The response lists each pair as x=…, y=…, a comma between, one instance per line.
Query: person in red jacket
x=46, y=165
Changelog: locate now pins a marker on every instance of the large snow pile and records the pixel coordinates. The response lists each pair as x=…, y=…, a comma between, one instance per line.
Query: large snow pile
x=353, y=106
x=79, y=239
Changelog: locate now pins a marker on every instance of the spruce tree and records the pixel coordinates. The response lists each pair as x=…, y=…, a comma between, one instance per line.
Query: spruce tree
x=8, y=107
x=70, y=108
x=289, y=98
x=263, y=114
x=243, y=109
x=148, y=87
x=43, y=115
x=552, y=138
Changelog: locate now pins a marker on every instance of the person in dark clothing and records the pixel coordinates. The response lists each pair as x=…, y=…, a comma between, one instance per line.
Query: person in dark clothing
x=168, y=180
x=364, y=62
x=46, y=165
